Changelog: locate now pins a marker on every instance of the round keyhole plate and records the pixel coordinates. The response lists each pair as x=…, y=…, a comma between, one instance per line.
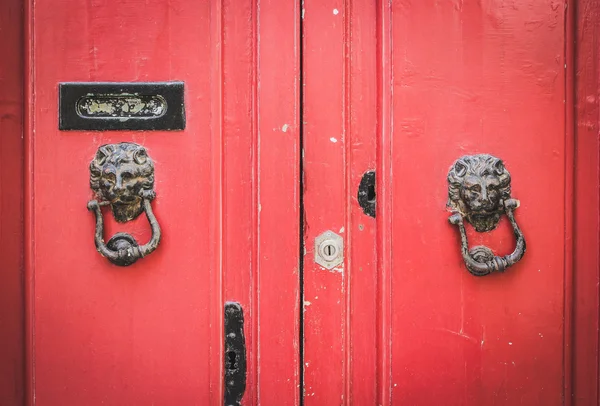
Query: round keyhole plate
x=329, y=250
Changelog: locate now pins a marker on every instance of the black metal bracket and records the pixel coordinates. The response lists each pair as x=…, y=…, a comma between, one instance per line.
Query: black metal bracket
x=235, y=354
x=367, y=198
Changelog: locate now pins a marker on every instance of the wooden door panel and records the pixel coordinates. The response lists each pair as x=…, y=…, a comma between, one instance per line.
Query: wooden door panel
x=451, y=79
x=484, y=83
x=227, y=202
x=103, y=334
x=339, y=64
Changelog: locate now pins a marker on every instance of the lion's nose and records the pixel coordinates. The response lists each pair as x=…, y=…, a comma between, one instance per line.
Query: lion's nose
x=119, y=184
x=484, y=194
x=486, y=203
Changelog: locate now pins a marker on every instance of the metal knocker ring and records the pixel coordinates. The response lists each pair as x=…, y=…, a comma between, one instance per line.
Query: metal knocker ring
x=122, y=176
x=479, y=192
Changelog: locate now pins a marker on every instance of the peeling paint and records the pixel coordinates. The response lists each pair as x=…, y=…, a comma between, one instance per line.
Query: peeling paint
x=335, y=11
x=332, y=139
x=338, y=269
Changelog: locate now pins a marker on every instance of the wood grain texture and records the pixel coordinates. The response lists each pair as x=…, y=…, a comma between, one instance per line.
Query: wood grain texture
x=277, y=202
x=340, y=125
x=478, y=77
x=261, y=198
x=326, y=139
x=12, y=353
x=453, y=78
x=102, y=334
x=586, y=64
x=404, y=87
x=227, y=201
x=384, y=203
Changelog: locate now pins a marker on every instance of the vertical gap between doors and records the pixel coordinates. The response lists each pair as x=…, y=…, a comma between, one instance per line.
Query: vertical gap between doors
x=301, y=202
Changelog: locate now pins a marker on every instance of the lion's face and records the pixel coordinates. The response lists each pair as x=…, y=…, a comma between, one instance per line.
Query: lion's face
x=478, y=186
x=122, y=174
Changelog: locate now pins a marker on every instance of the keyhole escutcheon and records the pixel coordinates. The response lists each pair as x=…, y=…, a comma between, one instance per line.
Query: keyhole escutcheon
x=329, y=250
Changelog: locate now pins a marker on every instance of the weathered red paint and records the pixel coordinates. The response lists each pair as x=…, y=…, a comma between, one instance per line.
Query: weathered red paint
x=339, y=146
x=404, y=87
x=152, y=333
x=466, y=77
x=12, y=353
x=261, y=197
x=485, y=340
x=585, y=68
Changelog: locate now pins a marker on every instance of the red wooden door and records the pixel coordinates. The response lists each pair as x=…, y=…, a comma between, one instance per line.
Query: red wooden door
x=405, y=88
x=288, y=105
x=152, y=333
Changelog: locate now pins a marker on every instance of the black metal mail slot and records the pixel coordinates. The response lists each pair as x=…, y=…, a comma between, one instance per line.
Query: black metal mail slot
x=102, y=106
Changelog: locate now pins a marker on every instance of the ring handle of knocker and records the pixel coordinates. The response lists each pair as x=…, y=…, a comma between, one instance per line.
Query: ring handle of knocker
x=122, y=249
x=480, y=260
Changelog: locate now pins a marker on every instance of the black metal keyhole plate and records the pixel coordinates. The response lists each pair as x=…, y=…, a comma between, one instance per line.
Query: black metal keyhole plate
x=235, y=354
x=367, y=197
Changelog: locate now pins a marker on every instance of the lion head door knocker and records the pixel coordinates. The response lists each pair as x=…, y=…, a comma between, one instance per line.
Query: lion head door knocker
x=479, y=191
x=122, y=177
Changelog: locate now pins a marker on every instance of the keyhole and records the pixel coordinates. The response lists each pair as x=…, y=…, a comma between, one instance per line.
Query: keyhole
x=328, y=250
x=371, y=197
x=231, y=360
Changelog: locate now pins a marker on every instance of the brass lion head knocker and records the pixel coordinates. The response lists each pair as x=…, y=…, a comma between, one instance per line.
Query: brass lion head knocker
x=122, y=177
x=479, y=191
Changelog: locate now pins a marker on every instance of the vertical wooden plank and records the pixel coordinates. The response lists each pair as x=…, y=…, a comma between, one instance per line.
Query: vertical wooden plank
x=325, y=138
x=340, y=119
x=239, y=143
x=360, y=229
x=28, y=226
x=586, y=237
x=277, y=175
x=261, y=190
x=11, y=204
x=384, y=201
x=216, y=257
x=569, y=196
